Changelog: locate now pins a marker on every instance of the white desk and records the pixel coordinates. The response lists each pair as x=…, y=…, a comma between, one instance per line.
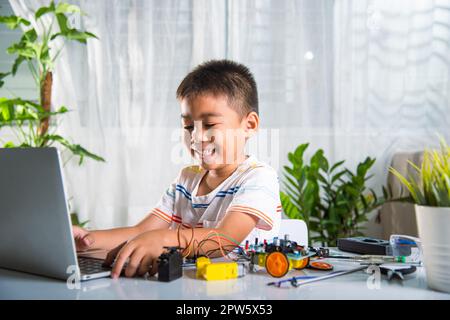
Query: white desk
x=17, y=285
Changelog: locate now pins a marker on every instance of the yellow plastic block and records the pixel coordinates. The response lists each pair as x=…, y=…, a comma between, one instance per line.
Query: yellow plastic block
x=201, y=263
x=295, y=264
x=298, y=263
x=220, y=271
x=262, y=259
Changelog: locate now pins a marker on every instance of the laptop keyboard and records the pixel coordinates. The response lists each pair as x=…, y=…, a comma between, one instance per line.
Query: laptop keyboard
x=91, y=265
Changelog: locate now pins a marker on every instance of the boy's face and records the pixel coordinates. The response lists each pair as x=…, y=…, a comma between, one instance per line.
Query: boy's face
x=214, y=132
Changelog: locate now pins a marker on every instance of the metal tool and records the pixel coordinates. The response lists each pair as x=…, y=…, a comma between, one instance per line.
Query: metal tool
x=396, y=271
x=370, y=259
x=294, y=281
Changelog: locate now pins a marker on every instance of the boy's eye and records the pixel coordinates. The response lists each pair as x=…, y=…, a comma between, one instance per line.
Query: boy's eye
x=206, y=125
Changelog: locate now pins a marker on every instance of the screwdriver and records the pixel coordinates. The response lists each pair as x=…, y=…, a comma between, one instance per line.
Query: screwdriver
x=375, y=259
x=333, y=274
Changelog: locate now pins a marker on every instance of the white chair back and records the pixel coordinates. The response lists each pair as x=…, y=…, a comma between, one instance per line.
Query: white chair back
x=296, y=229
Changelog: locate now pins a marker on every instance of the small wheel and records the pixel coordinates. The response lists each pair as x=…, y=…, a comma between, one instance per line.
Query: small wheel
x=320, y=265
x=277, y=264
x=304, y=263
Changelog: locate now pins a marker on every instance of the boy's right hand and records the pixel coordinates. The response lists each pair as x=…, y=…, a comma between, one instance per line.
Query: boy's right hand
x=83, y=239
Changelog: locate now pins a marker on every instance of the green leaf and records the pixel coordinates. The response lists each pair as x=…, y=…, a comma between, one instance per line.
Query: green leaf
x=361, y=218
x=63, y=7
x=332, y=201
x=338, y=175
x=352, y=190
x=76, y=35
x=294, y=192
x=23, y=49
x=364, y=166
x=44, y=10
x=76, y=222
x=288, y=208
x=12, y=22
x=386, y=194
x=319, y=161
x=62, y=109
x=76, y=149
x=294, y=160
x=293, y=173
x=90, y=35
x=5, y=114
x=17, y=63
x=9, y=144
x=29, y=35
x=62, y=23
x=16, y=111
x=374, y=195
x=300, y=150
x=321, y=178
x=336, y=165
x=364, y=202
x=2, y=76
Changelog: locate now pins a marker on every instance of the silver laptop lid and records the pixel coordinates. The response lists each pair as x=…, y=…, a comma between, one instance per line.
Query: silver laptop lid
x=35, y=227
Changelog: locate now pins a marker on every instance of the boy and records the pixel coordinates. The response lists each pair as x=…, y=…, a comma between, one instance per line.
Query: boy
x=229, y=193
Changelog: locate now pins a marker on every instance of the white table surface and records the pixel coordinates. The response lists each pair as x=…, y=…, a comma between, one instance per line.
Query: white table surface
x=18, y=285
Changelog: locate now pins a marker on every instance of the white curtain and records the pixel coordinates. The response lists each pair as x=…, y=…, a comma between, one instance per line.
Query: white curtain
x=392, y=69
x=356, y=78
x=391, y=79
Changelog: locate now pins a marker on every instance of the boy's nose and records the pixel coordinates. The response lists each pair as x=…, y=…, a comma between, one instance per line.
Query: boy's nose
x=198, y=134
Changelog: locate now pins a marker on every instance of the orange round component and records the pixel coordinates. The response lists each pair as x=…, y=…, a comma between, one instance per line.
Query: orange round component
x=304, y=264
x=277, y=264
x=319, y=265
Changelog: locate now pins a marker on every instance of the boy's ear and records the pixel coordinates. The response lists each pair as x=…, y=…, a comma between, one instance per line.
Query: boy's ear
x=251, y=124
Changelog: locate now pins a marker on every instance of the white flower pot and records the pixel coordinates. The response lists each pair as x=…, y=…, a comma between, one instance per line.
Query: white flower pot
x=434, y=232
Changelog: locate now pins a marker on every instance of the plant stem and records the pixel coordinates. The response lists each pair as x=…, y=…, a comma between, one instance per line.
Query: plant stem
x=33, y=72
x=25, y=136
x=32, y=133
x=59, y=51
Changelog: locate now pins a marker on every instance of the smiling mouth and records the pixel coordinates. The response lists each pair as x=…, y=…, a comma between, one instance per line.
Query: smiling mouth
x=205, y=153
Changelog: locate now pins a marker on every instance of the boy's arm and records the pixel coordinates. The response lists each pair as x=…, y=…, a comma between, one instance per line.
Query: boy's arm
x=230, y=233
x=108, y=239
x=144, y=250
x=159, y=218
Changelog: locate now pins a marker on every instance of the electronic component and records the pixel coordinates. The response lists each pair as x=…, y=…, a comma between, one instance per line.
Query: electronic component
x=170, y=265
x=364, y=245
x=320, y=252
x=218, y=270
x=277, y=257
x=281, y=255
x=406, y=246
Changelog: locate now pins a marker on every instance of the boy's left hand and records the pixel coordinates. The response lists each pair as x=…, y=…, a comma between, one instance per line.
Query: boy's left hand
x=143, y=252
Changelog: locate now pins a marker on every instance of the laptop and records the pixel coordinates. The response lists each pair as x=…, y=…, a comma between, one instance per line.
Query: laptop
x=35, y=225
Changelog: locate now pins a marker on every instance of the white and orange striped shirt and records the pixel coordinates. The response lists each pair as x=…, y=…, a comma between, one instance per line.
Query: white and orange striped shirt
x=253, y=188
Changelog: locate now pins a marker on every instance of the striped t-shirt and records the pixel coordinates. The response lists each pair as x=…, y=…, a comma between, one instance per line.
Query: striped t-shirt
x=253, y=188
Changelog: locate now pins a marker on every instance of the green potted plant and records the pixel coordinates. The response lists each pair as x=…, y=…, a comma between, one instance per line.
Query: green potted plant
x=332, y=200
x=33, y=123
x=429, y=190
